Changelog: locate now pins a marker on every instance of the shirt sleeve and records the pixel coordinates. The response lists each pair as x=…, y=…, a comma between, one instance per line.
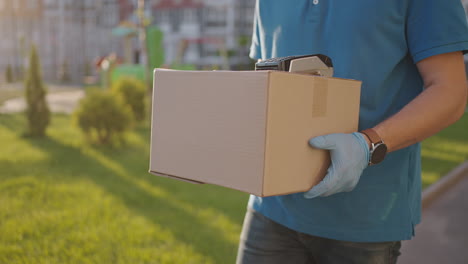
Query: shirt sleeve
x=435, y=27
x=255, y=52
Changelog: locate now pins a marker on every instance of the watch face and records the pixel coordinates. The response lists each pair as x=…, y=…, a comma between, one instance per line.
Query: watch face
x=379, y=153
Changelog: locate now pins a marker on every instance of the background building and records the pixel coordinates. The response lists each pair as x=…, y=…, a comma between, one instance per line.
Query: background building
x=19, y=25
x=69, y=35
x=200, y=32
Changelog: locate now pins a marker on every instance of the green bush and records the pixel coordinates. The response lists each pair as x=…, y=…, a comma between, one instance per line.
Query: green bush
x=37, y=110
x=133, y=93
x=9, y=74
x=103, y=117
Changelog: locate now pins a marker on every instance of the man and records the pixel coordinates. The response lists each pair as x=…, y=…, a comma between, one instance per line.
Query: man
x=408, y=53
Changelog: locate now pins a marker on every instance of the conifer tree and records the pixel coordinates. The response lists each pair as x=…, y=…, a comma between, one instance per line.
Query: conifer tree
x=9, y=74
x=37, y=111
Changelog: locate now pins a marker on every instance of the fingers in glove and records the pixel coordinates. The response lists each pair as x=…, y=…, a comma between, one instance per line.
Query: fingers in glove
x=324, y=186
x=323, y=142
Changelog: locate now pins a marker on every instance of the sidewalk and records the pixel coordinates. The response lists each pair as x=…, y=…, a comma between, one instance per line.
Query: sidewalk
x=60, y=102
x=442, y=236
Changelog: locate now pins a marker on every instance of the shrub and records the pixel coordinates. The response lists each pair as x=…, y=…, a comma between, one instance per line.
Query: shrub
x=133, y=93
x=37, y=110
x=103, y=117
x=9, y=74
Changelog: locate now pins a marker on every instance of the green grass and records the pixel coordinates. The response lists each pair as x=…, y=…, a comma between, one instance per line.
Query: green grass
x=65, y=202
x=444, y=151
x=62, y=201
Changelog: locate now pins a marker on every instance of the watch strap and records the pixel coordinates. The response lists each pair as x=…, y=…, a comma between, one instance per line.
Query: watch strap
x=372, y=135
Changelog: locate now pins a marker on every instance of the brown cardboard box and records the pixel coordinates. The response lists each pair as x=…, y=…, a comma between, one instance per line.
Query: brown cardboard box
x=247, y=131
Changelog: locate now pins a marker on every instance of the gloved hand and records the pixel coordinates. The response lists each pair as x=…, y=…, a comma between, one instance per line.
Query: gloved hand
x=349, y=157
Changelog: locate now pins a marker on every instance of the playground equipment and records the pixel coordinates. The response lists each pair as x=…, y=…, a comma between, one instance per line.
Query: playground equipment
x=130, y=67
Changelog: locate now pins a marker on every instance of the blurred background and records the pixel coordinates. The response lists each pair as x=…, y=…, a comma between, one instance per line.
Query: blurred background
x=75, y=100
x=73, y=36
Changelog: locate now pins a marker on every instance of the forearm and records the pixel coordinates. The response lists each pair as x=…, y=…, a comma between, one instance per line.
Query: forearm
x=441, y=104
x=433, y=110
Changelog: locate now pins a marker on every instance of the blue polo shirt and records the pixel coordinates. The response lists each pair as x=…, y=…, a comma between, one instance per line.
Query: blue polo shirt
x=379, y=43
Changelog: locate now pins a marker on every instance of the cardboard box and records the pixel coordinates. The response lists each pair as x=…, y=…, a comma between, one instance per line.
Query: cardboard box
x=248, y=130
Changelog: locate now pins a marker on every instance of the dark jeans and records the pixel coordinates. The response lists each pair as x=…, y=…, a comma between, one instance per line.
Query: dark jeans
x=265, y=241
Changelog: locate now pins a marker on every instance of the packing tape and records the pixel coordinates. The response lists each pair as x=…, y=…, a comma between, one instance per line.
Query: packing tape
x=320, y=99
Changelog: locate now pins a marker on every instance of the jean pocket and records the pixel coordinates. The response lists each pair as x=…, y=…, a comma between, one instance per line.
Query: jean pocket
x=365, y=252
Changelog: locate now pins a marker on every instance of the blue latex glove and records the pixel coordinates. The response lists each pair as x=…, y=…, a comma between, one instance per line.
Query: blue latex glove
x=349, y=157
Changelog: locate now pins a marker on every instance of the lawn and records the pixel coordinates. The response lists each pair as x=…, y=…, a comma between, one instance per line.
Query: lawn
x=62, y=201
x=65, y=202
x=444, y=151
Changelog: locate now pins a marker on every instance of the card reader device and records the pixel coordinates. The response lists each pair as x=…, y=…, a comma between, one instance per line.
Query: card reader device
x=316, y=64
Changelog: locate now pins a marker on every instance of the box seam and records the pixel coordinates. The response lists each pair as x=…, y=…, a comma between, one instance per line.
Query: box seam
x=175, y=177
x=267, y=106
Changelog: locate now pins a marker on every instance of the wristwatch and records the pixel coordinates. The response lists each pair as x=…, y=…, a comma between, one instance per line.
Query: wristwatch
x=378, y=149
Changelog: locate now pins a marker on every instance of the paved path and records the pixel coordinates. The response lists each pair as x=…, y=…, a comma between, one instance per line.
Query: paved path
x=442, y=236
x=60, y=102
